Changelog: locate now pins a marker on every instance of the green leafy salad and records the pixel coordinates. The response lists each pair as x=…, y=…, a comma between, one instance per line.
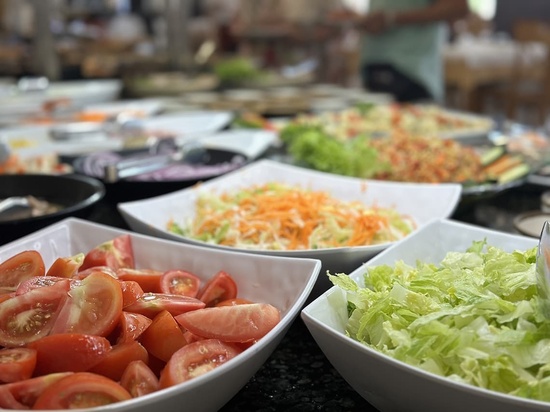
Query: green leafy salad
x=475, y=318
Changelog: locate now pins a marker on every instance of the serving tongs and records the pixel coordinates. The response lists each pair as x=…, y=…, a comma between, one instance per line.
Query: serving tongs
x=543, y=268
x=161, y=154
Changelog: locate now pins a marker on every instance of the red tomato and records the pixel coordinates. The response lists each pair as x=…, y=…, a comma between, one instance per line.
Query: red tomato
x=23, y=394
x=30, y=316
x=163, y=337
x=150, y=304
x=81, y=390
x=69, y=352
x=93, y=307
x=115, y=253
x=131, y=291
x=233, y=302
x=180, y=282
x=16, y=364
x=41, y=281
x=138, y=379
x=113, y=365
x=131, y=326
x=66, y=267
x=196, y=359
x=219, y=287
x=148, y=279
x=240, y=323
x=6, y=293
x=103, y=269
x=20, y=267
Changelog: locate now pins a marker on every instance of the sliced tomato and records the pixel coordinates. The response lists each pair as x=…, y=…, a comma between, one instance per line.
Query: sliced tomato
x=23, y=394
x=69, y=352
x=20, y=267
x=6, y=293
x=66, y=267
x=131, y=326
x=87, y=272
x=239, y=323
x=196, y=359
x=30, y=316
x=16, y=364
x=234, y=301
x=150, y=304
x=131, y=291
x=220, y=287
x=180, y=282
x=41, y=281
x=81, y=390
x=163, y=337
x=115, y=253
x=138, y=379
x=93, y=307
x=148, y=279
x=114, y=364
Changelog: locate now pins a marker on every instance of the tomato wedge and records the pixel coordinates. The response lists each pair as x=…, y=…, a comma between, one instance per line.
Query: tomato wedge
x=93, y=307
x=66, y=267
x=148, y=279
x=131, y=292
x=23, y=394
x=41, y=281
x=196, y=359
x=30, y=316
x=81, y=390
x=69, y=352
x=138, y=379
x=20, y=267
x=113, y=365
x=220, y=287
x=87, y=272
x=16, y=364
x=163, y=337
x=150, y=304
x=238, y=323
x=131, y=326
x=233, y=302
x=115, y=253
x=180, y=282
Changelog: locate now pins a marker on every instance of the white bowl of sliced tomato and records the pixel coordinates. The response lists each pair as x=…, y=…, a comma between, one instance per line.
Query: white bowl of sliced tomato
x=96, y=317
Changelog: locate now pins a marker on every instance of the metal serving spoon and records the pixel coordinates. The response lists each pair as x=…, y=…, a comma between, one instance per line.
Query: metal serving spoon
x=543, y=267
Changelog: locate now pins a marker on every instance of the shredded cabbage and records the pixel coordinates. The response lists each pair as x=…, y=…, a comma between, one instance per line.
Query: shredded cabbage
x=475, y=318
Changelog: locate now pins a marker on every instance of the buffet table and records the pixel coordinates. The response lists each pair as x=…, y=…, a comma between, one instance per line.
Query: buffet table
x=297, y=376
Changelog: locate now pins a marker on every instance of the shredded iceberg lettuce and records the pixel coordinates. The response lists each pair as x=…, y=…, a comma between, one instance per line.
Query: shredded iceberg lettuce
x=475, y=318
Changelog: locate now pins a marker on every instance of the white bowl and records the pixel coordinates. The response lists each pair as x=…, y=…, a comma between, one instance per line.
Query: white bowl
x=250, y=142
x=284, y=283
x=423, y=202
x=389, y=384
x=188, y=124
x=137, y=107
x=85, y=92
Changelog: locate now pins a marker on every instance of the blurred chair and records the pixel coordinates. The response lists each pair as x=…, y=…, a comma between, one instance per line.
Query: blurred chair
x=528, y=91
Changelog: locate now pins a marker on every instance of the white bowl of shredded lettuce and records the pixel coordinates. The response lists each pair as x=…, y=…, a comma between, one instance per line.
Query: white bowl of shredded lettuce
x=449, y=319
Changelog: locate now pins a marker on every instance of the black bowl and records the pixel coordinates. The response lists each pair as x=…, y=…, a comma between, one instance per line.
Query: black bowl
x=75, y=194
x=215, y=161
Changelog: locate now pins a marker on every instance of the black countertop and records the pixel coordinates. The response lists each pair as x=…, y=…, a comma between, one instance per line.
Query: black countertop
x=297, y=376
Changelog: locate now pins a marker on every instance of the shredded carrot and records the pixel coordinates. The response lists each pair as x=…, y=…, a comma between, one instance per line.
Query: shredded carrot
x=274, y=216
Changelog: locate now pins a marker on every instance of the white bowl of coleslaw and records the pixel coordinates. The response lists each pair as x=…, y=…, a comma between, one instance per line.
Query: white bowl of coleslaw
x=448, y=335
x=414, y=204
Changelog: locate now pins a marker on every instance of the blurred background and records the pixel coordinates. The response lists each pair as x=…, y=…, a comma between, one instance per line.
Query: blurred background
x=186, y=44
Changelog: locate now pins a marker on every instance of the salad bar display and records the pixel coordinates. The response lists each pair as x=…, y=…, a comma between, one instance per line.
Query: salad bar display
x=223, y=224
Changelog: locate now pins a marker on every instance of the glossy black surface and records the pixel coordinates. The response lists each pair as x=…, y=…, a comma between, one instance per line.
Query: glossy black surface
x=297, y=377
x=75, y=194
